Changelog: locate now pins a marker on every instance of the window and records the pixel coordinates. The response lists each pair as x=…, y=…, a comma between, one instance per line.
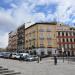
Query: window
x=48, y=35
x=49, y=42
x=66, y=33
x=41, y=43
x=41, y=35
x=70, y=39
x=74, y=39
x=62, y=33
x=67, y=40
x=63, y=40
x=58, y=33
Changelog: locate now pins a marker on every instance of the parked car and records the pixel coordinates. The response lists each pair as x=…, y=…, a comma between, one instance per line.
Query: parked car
x=1, y=55
x=23, y=56
x=35, y=57
x=29, y=58
x=15, y=55
x=5, y=54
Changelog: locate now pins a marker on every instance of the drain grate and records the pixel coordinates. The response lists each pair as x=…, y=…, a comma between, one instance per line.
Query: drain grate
x=6, y=71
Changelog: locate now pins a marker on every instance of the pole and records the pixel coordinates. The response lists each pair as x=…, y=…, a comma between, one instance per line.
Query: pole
x=63, y=57
x=63, y=53
x=68, y=56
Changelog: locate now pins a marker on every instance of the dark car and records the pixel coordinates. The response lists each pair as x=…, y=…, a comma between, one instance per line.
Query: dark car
x=5, y=54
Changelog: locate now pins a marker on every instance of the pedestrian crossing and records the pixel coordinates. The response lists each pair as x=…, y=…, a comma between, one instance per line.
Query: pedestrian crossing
x=6, y=71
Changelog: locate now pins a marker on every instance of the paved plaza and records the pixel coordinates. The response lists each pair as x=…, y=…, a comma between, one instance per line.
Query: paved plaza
x=45, y=67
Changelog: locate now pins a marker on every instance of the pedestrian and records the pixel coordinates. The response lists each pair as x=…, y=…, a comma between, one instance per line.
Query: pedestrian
x=38, y=60
x=20, y=58
x=55, y=60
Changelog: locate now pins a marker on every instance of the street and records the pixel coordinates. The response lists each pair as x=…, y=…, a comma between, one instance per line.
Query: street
x=45, y=67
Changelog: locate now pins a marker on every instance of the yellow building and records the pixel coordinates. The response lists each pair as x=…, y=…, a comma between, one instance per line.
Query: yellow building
x=41, y=37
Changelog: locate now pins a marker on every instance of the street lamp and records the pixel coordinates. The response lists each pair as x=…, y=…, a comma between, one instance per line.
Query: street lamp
x=63, y=53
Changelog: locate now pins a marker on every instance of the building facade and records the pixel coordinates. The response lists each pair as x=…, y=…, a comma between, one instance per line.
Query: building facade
x=66, y=39
x=44, y=38
x=50, y=38
x=12, y=42
x=21, y=38
x=41, y=37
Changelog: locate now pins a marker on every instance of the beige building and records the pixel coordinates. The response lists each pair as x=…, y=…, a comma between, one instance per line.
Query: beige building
x=47, y=38
x=43, y=38
x=12, y=43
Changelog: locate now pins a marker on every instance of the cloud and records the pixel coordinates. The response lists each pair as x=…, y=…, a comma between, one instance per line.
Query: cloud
x=6, y=21
x=64, y=10
x=23, y=11
x=13, y=5
x=3, y=40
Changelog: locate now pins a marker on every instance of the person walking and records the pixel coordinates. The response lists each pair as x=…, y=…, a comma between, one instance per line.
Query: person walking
x=55, y=60
x=38, y=60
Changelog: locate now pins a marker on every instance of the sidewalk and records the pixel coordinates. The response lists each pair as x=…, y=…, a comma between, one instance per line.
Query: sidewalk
x=45, y=67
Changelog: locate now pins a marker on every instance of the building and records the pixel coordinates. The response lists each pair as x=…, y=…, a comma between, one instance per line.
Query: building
x=50, y=38
x=66, y=39
x=44, y=38
x=41, y=37
x=21, y=38
x=12, y=42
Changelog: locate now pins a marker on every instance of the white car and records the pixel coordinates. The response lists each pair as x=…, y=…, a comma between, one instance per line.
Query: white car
x=23, y=56
x=15, y=56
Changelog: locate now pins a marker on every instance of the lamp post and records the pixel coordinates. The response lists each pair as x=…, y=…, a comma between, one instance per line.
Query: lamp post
x=63, y=53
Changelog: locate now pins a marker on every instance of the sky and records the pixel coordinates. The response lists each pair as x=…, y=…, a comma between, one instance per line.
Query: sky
x=14, y=13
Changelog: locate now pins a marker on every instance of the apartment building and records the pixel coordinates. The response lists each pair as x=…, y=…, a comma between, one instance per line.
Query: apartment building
x=66, y=39
x=50, y=38
x=43, y=38
x=21, y=38
x=12, y=42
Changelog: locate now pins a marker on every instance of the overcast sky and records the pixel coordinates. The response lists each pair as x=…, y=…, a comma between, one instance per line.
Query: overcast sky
x=13, y=13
